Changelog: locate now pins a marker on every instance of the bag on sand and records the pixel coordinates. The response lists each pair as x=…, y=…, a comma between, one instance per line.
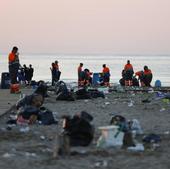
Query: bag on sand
x=79, y=129
x=46, y=116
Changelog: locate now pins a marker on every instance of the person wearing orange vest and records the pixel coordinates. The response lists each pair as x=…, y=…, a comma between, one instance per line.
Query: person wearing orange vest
x=79, y=71
x=128, y=68
x=106, y=75
x=13, y=61
x=147, y=76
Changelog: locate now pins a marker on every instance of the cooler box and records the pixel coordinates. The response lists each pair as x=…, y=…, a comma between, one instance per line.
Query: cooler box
x=96, y=78
x=5, y=80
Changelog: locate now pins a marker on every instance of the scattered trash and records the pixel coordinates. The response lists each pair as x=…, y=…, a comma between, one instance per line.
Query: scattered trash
x=101, y=164
x=30, y=154
x=135, y=127
x=151, y=138
x=7, y=155
x=42, y=137
x=162, y=109
x=24, y=129
x=131, y=104
x=138, y=147
x=86, y=101
x=150, y=90
x=166, y=132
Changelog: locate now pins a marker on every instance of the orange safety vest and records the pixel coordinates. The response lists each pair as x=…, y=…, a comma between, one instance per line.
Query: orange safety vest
x=147, y=72
x=138, y=73
x=11, y=58
x=128, y=66
x=106, y=70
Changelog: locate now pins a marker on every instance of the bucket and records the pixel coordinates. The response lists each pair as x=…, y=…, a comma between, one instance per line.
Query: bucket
x=5, y=80
x=96, y=78
x=110, y=136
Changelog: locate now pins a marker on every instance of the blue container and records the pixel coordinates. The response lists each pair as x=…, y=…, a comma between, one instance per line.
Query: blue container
x=96, y=78
x=5, y=80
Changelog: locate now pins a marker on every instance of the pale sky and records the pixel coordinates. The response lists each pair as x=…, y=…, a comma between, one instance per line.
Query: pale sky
x=85, y=26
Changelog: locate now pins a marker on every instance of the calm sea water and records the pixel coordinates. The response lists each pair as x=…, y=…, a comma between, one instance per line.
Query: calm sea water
x=160, y=65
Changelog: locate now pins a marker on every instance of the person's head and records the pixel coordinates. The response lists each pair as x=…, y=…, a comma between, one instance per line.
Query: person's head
x=81, y=64
x=56, y=62
x=104, y=65
x=24, y=66
x=128, y=61
x=86, y=70
x=14, y=50
x=30, y=65
x=53, y=65
x=145, y=67
x=37, y=100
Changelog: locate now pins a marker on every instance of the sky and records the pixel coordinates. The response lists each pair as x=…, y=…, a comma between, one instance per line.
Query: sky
x=85, y=26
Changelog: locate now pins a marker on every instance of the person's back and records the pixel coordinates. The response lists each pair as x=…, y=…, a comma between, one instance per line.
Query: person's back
x=128, y=69
x=147, y=76
x=106, y=75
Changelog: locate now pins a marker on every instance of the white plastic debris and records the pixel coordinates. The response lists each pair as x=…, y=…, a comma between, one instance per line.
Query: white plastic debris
x=136, y=127
x=24, y=129
x=166, y=132
x=131, y=103
x=107, y=103
x=30, y=154
x=138, y=147
x=7, y=155
x=42, y=137
x=163, y=109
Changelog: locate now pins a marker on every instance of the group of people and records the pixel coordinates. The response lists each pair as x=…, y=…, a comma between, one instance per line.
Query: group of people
x=19, y=74
x=85, y=76
x=129, y=76
x=55, y=72
x=25, y=74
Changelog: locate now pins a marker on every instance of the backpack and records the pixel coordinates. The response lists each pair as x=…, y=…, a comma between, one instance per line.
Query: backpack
x=46, y=116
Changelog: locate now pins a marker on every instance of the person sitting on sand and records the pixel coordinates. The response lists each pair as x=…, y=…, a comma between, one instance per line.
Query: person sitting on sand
x=147, y=76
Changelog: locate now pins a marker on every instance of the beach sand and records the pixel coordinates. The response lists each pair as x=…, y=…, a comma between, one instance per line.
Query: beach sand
x=34, y=149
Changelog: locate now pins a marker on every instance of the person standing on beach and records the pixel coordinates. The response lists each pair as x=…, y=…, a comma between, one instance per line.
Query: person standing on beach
x=79, y=70
x=31, y=71
x=128, y=68
x=106, y=75
x=13, y=61
x=58, y=73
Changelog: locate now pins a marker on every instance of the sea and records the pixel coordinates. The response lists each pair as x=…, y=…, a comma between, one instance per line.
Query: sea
x=160, y=65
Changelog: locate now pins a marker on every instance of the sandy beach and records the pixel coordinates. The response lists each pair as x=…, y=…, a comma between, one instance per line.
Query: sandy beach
x=34, y=148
